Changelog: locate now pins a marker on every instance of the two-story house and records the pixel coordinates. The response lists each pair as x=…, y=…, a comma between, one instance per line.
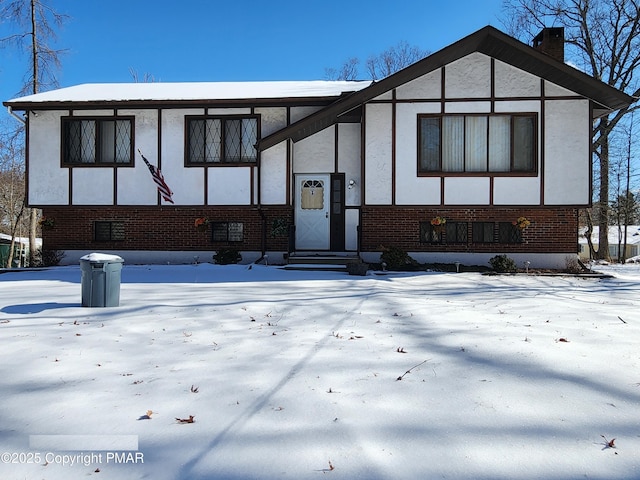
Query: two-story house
x=481, y=148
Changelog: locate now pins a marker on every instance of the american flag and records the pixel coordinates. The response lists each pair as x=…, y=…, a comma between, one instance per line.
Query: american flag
x=163, y=188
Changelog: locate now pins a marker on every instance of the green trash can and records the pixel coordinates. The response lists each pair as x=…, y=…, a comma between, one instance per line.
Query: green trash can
x=101, y=280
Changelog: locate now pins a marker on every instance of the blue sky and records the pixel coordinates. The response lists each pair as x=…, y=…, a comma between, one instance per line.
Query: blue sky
x=213, y=40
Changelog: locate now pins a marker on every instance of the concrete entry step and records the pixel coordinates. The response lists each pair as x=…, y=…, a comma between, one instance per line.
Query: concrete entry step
x=322, y=261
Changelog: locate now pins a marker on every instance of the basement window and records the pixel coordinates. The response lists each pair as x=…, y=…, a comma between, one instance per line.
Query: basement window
x=456, y=232
x=483, y=232
x=430, y=233
x=509, y=233
x=108, y=231
x=227, y=231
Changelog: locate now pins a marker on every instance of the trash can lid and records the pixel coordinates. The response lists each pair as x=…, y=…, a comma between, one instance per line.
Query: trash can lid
x=102, y=258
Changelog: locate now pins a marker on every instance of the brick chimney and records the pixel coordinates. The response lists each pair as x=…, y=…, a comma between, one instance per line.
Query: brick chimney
x=551, y=41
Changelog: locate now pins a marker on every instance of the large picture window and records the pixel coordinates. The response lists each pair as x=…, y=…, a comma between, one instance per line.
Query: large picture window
x=222, y=140
x=87, y=141
x=477, y=143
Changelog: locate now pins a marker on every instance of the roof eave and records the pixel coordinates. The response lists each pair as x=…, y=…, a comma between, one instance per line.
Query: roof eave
x=168, y=103
x=488, y=41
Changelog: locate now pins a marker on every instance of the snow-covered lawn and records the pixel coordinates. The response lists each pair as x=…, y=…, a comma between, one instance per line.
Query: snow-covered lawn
x=314, y=375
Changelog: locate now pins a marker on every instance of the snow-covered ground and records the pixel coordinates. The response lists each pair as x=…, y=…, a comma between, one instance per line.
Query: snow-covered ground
x=313, y=375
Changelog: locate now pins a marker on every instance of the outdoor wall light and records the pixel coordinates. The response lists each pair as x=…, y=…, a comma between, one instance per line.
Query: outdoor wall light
x=351, y=184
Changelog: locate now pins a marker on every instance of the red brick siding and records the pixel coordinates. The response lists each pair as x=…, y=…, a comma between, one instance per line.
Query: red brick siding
x=172, y=228
x=161, y=228
x=551, y=230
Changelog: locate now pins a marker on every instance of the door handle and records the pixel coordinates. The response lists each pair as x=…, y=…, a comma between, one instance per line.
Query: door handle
x=326, y=214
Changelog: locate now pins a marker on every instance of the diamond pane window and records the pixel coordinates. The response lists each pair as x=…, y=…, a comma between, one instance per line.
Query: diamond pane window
x=196, y=140
x=430, y=234
x=213, y=140
x=100, y=140
x=249, y=139
x=456, y=232
x=222, y=140
x=509, y=233
x=483, y=232
x=80, y=141
x=233, y=140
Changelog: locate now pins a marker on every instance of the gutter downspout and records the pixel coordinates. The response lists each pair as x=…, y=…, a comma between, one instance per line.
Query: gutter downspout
x=263, y=218
x=15, y=115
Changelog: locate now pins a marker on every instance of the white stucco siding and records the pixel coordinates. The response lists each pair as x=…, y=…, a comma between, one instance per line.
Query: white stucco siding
x=108, y=112
x=553, y=90
x=423, y=191
x=92, y=186
x=378, y=145
x=517, y=106
x=273, y=175
x=271, y=119
x=427, y=86
x=229, y=186
x=520, y=190
x=187, y=183
x=298, y=113
x=384, y=96
x=469, y=77
x=466, y=191
x=516, y=191
x=349, y=160
x=48, y=183
x=567, y=152
x=315, y=154
x=135, y=185
x=352, y=220
x=513, y=82
x=467, y=107
x=229, y=111
x=411, y=189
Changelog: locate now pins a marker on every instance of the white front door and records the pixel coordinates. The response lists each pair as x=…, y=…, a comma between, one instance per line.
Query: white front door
x=312, y=212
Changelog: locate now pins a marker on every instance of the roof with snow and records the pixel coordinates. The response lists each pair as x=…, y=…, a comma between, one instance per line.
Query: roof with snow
x=340, y=98
x=6, y=239
x=186, y=92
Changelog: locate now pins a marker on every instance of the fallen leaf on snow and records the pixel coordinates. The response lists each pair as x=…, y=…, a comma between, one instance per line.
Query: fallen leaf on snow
x=609, y=443
x=185, y=420
x=147, y=416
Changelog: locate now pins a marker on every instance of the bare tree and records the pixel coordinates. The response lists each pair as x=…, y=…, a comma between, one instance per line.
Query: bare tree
x=146, y=78
x=348, y=71
x=35, y=23
x=394, y=59
x=12, y=183
x=378, y=66
x=624, y=208
x=603, y=39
